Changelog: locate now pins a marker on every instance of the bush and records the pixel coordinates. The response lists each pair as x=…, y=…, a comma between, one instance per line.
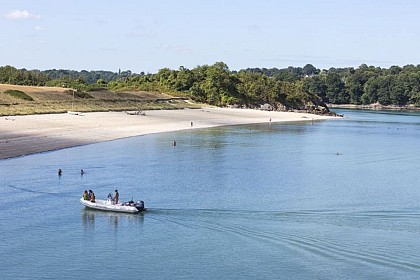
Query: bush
x=18, y=94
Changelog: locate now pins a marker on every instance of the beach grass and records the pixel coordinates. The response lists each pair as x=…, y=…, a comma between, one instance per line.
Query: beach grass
x=18, y=94
x=24, y=100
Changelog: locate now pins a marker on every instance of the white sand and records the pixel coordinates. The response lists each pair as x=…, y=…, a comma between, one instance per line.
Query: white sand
x=23, y=135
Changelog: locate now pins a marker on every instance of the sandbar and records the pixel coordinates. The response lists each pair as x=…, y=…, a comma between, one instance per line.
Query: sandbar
x=25, y=135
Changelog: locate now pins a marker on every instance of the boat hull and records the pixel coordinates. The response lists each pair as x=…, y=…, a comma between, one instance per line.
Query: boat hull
x=106, y=205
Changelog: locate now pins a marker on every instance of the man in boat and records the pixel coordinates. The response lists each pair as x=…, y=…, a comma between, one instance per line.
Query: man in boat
x=116, y=197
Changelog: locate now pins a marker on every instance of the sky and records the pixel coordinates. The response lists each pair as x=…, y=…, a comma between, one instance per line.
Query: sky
x=145, y=36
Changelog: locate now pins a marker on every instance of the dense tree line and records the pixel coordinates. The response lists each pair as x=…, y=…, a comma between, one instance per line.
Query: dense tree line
x=90, y=77
x=364, y=85
x=292, y=86
x=11, y=75
x=216, y=84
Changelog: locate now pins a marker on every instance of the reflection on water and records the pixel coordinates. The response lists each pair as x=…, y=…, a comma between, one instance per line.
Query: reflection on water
x=91, y=216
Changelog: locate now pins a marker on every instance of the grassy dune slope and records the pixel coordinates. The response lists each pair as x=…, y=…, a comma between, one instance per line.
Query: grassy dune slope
x=59, y=100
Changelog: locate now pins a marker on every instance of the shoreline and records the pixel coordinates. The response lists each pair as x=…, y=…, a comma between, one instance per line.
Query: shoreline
x=31, y=134
x=375, y=107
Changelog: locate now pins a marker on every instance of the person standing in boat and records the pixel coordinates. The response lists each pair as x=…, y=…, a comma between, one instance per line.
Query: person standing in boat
x=116, y=197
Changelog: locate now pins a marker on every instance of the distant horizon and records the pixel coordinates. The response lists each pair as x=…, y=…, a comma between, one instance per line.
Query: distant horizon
x=145, y=36
x=123, y=70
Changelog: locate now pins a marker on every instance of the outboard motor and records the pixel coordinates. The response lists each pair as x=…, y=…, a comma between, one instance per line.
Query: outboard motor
x=140, y=205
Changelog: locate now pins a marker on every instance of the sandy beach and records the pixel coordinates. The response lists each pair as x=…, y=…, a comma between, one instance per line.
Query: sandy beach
x=24, y=135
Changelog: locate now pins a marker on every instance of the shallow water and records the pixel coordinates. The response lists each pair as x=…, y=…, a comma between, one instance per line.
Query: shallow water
x=335, y=199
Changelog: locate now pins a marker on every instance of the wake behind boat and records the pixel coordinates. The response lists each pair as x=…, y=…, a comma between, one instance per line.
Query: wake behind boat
x=108, y=205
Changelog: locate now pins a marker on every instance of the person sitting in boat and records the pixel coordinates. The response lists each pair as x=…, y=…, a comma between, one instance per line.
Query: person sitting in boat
x=85, y=195
x=116, y=197
x=91, y=196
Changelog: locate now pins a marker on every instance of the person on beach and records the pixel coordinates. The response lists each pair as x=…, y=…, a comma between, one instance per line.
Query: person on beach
x=116, y=197
x=85, y=195
x=174, y=143
x=60, y=172
x=82, y=172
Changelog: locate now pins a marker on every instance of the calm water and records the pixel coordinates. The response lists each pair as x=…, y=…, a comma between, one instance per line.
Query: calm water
x=328, y=200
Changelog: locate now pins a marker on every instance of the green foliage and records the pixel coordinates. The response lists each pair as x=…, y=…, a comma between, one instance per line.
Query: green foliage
x=18, y=94
x=367, y=85
x=11, y=75
x=316, y=85
x=335, y=91
x=309, y=70
x=292, y=87
x=217, y=85
x=90, y=77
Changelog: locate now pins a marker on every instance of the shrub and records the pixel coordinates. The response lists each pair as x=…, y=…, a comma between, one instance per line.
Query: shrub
x=18, y=94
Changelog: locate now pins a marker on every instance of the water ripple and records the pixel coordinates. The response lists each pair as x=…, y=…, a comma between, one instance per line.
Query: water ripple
x=317, y=245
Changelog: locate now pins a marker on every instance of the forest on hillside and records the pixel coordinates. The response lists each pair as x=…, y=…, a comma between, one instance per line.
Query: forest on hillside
x=292, y=87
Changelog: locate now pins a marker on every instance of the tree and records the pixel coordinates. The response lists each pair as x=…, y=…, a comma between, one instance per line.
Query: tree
x=254, y=88
x=335, y=89
x=309, y=70
x=184, y=79
x=315, y=85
